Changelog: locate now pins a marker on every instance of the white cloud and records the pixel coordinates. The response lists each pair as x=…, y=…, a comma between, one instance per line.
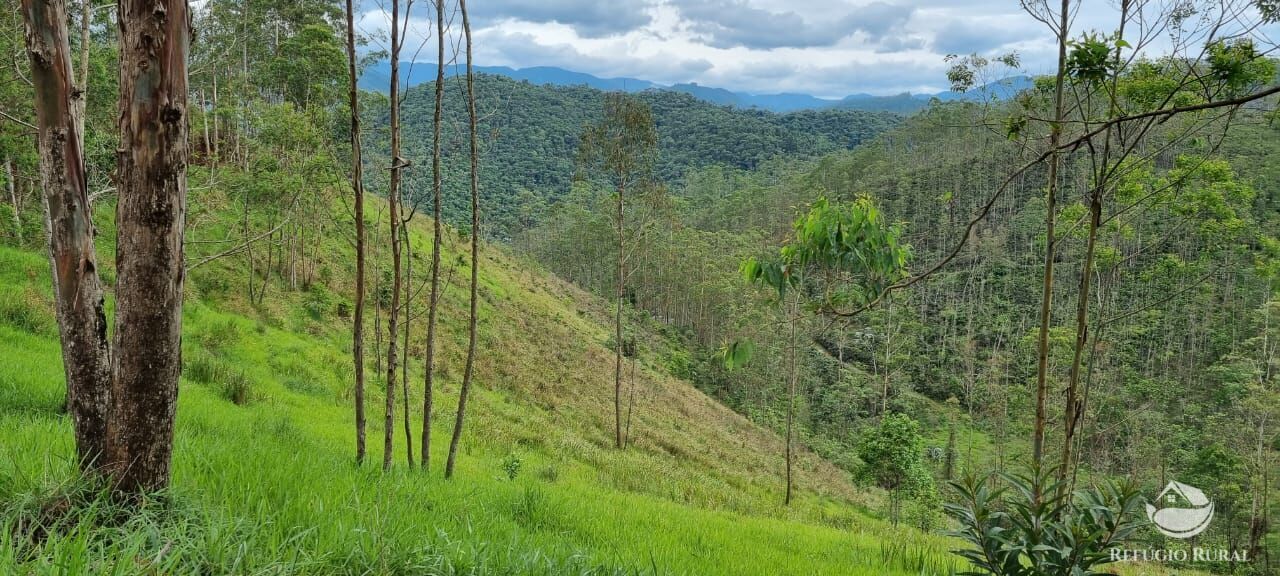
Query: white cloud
x=828, y=48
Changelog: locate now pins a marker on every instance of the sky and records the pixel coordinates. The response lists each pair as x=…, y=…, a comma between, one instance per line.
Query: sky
x=827, y=48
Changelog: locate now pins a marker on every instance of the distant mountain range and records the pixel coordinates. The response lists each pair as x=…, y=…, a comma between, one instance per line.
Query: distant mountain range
x=377, y=77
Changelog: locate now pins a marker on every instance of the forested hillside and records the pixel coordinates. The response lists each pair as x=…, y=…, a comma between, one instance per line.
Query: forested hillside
x=532, y=132
x=1182, y=327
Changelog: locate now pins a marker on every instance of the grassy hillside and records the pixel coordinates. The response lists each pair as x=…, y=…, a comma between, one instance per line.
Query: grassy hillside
x=263, y=473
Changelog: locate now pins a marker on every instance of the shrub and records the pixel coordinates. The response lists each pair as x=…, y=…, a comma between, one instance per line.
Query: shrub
x=511, y=465
x=1038, y=530
x=318, y=302
x=893, y=457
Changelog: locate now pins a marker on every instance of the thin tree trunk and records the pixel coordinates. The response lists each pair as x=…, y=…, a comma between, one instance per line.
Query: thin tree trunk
x=791, y=401
x=151, y=212
x=884, y=397
x=1257, y=517
x=436, y=235
x=266, y=270
x=393, y=201
x=468, y=371
x=404, y=366
x=631, y=403
x=248, y=249
x=216, y=135
x=1051, y=245
x=1074, y=408
x=204, y=115
x=13, y=199
x=78, y=300
x=357, y=187
x=617, y=321
x=81, y=92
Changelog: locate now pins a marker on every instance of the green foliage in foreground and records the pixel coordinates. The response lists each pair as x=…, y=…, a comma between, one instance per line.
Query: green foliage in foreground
x=1034, y=527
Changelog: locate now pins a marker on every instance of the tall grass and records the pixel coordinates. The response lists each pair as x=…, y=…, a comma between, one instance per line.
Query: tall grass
x=264, y=481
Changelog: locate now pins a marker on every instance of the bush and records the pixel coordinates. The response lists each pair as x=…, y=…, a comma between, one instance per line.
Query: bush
x=893, y=457
x=924, y=511
x=1036, y=529
x=511, y=465
x=318, y=302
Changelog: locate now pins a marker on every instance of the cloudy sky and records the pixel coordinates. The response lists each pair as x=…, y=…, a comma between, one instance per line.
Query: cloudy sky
x=828, y=48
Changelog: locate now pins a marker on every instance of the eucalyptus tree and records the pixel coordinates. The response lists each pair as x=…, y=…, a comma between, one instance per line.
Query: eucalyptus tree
x=122, y=394
x=78, y=295
x=473, y=138
x=398, y=164
x=620, y=149
x=1110, y=82
x=1117, y=119
x=150, y=219
x=357, y=187
x=1061, y=32
x=437, y=234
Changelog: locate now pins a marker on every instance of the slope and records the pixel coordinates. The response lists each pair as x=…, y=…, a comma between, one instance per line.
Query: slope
x=263, y=477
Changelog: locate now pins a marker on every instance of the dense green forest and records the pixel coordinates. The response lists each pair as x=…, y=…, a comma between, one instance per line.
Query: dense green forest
x=564, y=331
x=532, y=132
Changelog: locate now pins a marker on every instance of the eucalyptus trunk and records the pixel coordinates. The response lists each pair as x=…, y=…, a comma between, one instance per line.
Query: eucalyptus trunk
x=78, y=300
x=437, y=232
x=151, y=176
x=393, y=202
x=1075, y=407
x=469, y=371
x=357, y=187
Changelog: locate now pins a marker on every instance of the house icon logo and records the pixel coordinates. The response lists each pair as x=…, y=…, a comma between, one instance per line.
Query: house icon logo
x=1184, y=511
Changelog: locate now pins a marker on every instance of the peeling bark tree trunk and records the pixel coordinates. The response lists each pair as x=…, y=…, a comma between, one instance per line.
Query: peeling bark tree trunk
x=82, y=322
x=152, y=180
x=357, y=186
x=436, y=235
x=469, y=371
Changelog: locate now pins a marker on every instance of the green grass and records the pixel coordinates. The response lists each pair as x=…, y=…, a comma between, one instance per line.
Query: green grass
x=263, y=474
